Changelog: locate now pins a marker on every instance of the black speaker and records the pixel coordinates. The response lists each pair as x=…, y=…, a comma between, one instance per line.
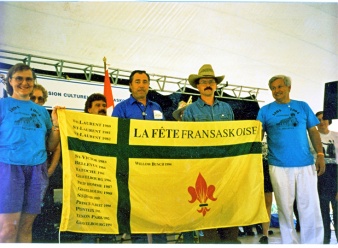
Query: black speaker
x=331, y=101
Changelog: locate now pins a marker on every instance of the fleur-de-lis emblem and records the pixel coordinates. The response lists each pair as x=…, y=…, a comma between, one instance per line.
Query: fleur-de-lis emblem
x=202, y=192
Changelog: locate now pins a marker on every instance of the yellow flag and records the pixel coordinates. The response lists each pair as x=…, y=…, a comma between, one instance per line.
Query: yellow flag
x=159, y=177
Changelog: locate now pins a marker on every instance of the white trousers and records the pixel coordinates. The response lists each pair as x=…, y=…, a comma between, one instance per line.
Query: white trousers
x=298, y=183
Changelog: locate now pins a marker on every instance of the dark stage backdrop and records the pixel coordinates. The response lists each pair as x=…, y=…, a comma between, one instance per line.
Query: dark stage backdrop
x=243, y=110
x=331, y=100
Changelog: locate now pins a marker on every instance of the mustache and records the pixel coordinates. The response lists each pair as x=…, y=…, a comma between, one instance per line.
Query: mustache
x=102, y=111
x=208, y=88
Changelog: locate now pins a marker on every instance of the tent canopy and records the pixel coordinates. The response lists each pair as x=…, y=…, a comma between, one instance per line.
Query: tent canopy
x=248, y=42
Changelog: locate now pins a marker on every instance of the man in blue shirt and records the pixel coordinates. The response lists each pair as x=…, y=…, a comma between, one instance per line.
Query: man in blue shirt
x=208, y=108
x=288, y=124
x=138, y=106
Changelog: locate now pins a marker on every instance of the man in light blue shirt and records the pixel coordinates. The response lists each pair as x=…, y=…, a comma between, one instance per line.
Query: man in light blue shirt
x=288, y=123
x=208, y=108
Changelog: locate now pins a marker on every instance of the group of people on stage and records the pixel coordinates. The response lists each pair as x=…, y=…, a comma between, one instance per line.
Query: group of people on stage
x=301, y=162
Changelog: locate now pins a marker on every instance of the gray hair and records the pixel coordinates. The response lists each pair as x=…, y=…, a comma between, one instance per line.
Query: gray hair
x=43, y=90
x=286, y=79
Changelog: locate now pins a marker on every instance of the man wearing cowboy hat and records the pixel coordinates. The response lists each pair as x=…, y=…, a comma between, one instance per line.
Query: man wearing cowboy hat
x=208, y=108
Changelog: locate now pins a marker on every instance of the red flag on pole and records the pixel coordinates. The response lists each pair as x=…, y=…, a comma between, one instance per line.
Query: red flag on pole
x=108, y=91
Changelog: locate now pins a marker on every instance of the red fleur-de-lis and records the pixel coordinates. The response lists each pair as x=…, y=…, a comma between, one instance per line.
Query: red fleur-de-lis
x=202, y=192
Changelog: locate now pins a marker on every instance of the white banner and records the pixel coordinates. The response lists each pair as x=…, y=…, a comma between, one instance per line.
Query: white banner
x=2, y=85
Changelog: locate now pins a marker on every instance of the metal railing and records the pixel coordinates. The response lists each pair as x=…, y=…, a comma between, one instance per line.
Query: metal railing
x=161, y=83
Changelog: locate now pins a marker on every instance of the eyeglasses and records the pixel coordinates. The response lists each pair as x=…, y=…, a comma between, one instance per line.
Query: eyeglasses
x=20, y=79
x=207, y=81
x=40, y=99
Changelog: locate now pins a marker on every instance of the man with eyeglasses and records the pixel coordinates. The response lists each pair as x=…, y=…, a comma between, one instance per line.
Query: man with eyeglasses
x=208, y=108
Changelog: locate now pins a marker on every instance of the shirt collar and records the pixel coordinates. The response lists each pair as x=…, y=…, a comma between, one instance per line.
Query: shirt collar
x=201, y=104
x=132, y=100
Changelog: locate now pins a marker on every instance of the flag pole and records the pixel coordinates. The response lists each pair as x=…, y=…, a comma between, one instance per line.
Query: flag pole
x=107, y=91
x=104, y=64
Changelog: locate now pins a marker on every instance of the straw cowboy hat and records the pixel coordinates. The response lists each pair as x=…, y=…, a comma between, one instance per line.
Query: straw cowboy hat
x=177, y=114
x=205, y=71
